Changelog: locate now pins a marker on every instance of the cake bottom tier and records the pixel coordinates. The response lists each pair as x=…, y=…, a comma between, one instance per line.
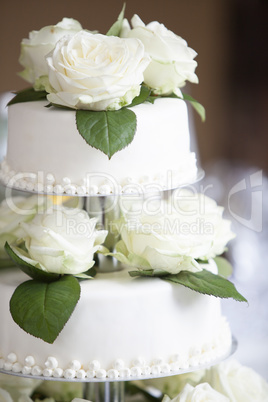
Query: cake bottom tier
x=122, y=327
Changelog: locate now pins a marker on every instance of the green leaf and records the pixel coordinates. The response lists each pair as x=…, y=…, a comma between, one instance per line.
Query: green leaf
x=87, y=275
x=156, y=273
x=207, y=283
x=145, y=273
x=196, y=105
x=117, y=26
x=29, y=269
x=224, y=267
x=6, y=263
x=108, y=131
x=42, y=309
x=28, y=95
x=153, y=98
x=142, y=97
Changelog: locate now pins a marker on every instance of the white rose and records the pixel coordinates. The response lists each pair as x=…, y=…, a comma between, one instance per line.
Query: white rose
x=61, y=240
x=172, y=385
x=172, y=61
x=237, y=382
x=173, y=234
x=17, y=386
x=15, y=210
x=80, y=400
x=5, y=396
x=201, y=393
x=60, y=390
x=95, y=72
x=38, y=45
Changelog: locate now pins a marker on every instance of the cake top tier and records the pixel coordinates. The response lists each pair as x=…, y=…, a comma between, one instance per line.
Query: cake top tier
x=110, y=92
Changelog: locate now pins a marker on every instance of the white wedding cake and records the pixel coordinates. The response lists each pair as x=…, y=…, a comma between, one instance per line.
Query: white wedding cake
x=116, y=125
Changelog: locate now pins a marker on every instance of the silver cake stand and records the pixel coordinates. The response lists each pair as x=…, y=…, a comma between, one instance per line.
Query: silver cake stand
x=113, y=390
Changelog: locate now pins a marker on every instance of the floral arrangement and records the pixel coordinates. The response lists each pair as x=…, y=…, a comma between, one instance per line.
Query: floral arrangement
x=101, y=77
x=227, y=382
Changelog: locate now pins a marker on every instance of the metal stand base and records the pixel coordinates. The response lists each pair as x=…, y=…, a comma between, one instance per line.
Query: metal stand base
x=105, y=391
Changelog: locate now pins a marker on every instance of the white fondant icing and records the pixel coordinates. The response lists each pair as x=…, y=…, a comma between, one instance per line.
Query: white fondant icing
x=135, y=371
x=51, y=363
x=17, y=368
x=94, y=365
x=119, y=364
x=26, y=370
x=112, y=373
x=11, y=358
x=125, y=373
x=48, y=372
x=126, y=339
x=81, y=374
x=36, y=371
x=69, y=374
x=29, y=361
x=101, y=373
x=58, y=372
x=91, y=374
x=75, y=365
x=45, y=149
x=8, y=366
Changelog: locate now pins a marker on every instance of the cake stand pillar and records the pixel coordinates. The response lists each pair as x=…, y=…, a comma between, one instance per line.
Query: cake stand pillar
x=105, y=391
x=105, y=210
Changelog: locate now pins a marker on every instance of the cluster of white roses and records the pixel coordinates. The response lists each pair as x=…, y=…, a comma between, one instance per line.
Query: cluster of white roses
x=171, y=235
x=87, y=70
x=227, y=382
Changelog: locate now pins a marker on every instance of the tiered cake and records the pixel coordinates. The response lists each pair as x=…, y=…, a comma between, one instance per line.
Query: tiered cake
x=117, y=127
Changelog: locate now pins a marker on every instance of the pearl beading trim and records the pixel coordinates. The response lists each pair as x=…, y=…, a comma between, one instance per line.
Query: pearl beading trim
x=139, y=368
x=89, y=185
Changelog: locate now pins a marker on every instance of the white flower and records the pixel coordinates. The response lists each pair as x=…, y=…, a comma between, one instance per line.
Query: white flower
x=5, y=396
x=172, y=61
x=95, y=72
x=38, y=45
x=173, y=234
x=17, y=387
x=201, y=393
x=80, y=400
x=239, y=383
x=61, y=240
x=61, y=390
x=172, y=385
x=15, y=210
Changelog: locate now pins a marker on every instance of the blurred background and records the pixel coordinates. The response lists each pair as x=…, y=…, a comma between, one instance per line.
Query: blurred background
x=230, y=37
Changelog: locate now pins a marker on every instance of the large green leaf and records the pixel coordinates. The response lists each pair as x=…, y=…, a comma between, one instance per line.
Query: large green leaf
x=108, y=131
x=28, y=95
x=42, y=309
x=117, y=26
x=29, y=269
x=203, y=282
x=207, y=283
x=148, y=273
